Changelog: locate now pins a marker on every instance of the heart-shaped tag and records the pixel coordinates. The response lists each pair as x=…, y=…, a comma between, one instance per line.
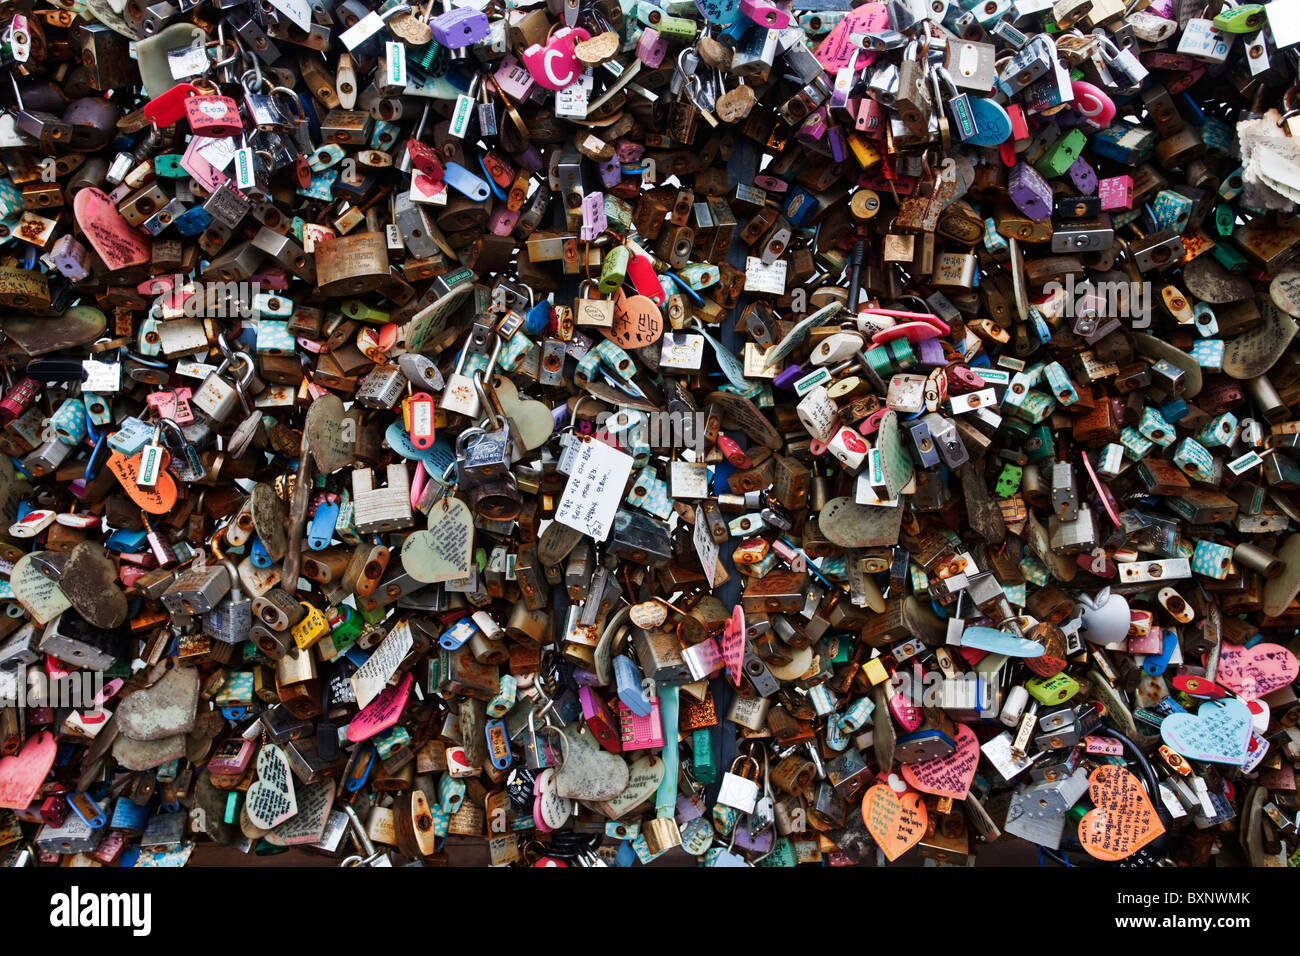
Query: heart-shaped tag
x=39, y=596
x=90, y=583
x=118, y=243
x=531, y=420
x=644, y=777
x=445, y=552
x=328, y=437
x=550, y=810
x=1256, y=671
x=951, y=775
x=1122, y=820
x=159, y=499
x=308, y=824
x=1217, y=733
x=163, y=710
x=23, y=773
x=382, y=712
x=588, y=772
x=896, y=822
x=271, y=800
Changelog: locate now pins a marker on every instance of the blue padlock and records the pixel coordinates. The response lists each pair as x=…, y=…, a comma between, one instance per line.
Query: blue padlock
x=628, y=678
x=321, y=530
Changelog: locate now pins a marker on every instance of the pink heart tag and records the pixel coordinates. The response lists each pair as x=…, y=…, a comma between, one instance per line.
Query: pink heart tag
x=22, y=774
x=948, y=776
x=382, y=712
x=118, y=243
x=1256, y=671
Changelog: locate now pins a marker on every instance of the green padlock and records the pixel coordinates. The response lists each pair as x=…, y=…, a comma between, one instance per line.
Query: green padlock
x=1244, y=19
x=168, y=166
x=704, y=766
x=1061, y=155
x=613, y=271
x=1056, y=689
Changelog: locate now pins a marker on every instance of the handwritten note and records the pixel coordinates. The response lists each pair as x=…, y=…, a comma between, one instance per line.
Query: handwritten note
x=446, y=551
x=597, y=477
x=897, y=823
x=308, y=824
x=372, y=676
x=1218, y=733
x=40, y=597
x=950, y=775
x=271, y=800
x=836, y=51
x=1256, y=671
x=733, y=644
x=299, y=11
x=1123, y=819
x=705, y=547
x=118, y=243
x=382, y=712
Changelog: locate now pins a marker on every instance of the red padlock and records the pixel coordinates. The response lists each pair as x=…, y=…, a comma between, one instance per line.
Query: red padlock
x=213, y=116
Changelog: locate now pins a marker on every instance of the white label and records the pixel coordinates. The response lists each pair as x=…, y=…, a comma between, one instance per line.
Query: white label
x=219, y=153
x=187, y=61
x=1238, y=465
x=299, y=11
x=395, y=63
x=764, y=278
x=596, y=480
x=245, y=176
x=372, y=676
x=194, y=370
x=705, y=546
x=362, y=30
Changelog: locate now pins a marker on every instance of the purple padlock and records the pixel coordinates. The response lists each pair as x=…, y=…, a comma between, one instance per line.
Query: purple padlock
x=460, y=27
x=760, y=843
x=786, y=378
x=687, y=809
x=1030, y=192
x=835, y=139
x=814, y=127
x=611, y=172
x=929, y=354
x=1083, y=176
x=531, y=159
x=628, y=151
x=593, y=216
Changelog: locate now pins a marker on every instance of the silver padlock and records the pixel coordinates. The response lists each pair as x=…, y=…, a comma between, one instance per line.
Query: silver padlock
x=230, y=620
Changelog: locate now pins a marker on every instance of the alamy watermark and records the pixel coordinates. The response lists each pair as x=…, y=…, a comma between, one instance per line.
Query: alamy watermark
x=210, y=300
x=80, y=690
x=966, y=691
x=1119, y=300
x=633, y=428
x=80, y=910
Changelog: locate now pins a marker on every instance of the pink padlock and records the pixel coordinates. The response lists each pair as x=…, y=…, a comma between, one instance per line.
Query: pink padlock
x=1092, y=103
x=871, y=424
x=651, y=48
x=555, y=66
x=765, y=14
x=503, y=220
x=515, y=81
